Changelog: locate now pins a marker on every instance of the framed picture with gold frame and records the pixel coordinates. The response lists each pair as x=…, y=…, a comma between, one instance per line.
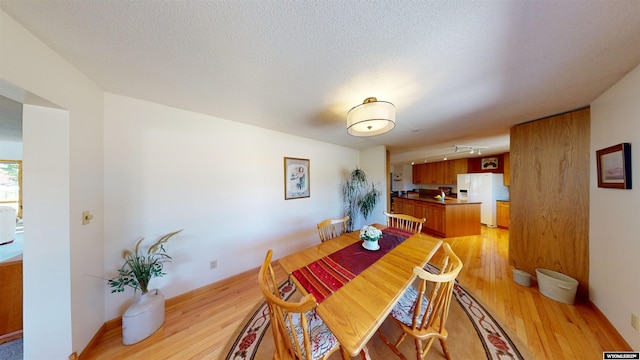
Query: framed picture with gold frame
x=614, y=166
x=296, y=178
x=490, y=163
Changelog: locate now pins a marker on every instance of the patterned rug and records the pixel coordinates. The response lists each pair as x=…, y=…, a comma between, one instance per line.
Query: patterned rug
x=494, y=340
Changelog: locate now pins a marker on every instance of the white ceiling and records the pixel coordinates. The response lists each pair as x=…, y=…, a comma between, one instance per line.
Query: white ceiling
x=459, y=72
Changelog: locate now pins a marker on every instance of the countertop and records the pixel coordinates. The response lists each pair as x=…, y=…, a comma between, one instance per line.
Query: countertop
x=447, y=200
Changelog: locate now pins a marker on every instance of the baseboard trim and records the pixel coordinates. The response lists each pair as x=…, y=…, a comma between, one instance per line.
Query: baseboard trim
x=611, y=328
x=117, y=322
x=10, y=336
x=93, y=342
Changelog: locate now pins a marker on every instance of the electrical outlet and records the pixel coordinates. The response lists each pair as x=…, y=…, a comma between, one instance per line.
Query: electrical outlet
x=634, y=321
x=213, y=264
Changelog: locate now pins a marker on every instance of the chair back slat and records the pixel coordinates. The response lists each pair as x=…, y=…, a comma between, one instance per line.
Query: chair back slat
x=422, y=311
x=440, y=287
x=331, y=228
x=405, y=222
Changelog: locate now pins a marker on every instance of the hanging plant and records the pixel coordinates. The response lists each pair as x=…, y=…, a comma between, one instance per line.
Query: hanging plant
x=359, y=196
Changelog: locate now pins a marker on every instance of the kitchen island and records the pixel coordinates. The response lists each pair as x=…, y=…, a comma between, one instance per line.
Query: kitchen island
x=445, y=218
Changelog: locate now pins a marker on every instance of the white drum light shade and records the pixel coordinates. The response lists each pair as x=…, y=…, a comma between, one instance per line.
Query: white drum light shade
x=370, y=118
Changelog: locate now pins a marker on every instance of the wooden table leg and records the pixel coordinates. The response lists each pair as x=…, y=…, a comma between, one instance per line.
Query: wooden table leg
x=345, y=354
x=365, y=353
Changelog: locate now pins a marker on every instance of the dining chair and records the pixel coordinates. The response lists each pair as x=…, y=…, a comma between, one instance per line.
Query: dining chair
x=298, y=332
x=424, y=317
x=331, y=228
x=405, y=222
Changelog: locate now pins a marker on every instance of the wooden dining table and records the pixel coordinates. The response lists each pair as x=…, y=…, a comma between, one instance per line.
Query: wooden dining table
x=355, y=311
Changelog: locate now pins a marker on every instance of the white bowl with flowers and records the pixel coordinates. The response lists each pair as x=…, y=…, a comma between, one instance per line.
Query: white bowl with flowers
x=370, y=236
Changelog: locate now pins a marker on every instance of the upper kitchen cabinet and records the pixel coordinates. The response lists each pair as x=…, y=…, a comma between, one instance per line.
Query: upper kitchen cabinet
x=419, y=173
x=435, y=173
x=460, y=166
x=439, y=172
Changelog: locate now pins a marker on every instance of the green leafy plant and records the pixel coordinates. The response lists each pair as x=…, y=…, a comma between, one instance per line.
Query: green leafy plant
x=140, y=267
x=359, y=196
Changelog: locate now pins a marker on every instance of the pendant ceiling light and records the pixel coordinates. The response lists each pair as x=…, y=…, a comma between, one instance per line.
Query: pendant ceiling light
x=370, y=118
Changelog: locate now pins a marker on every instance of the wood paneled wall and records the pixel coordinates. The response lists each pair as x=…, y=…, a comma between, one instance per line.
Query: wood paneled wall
x=549, y=194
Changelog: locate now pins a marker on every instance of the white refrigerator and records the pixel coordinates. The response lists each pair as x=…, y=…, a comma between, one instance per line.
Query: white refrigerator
x=486, y=188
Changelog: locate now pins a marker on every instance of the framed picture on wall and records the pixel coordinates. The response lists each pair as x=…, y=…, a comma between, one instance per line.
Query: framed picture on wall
x=296, y=178
x=614, y=166
x=489, y=163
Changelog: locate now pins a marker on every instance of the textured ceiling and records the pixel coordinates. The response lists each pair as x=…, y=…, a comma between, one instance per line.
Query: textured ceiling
x=459, y=72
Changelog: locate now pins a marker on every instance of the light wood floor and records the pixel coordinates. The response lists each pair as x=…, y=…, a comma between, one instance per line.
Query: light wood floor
x=200, y=326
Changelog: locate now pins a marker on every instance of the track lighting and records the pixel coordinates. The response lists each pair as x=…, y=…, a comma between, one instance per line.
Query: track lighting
x=457, y=149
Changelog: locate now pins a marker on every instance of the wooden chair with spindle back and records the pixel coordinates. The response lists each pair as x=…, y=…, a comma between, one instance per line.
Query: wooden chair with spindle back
x=424, y=317
x=331, y=228
x=298, y=332
x=405, y=222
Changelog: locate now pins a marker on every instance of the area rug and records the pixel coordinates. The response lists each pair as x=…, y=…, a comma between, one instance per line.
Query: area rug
x=473, y=334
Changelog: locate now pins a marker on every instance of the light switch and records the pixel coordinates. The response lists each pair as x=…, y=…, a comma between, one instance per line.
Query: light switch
x=86, y=217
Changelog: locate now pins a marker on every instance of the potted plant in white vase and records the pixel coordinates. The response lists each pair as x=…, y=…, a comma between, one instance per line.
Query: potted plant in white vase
x=370, y=236
x=146, y=314
x=359, y=196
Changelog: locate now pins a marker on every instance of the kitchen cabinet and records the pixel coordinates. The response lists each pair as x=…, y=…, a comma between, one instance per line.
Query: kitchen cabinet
x=435, y=173
x=453, y=168
x=435, y=214
x=397, y=205
x=502, y=214
x=439, y=172
x=418, y=173
x=11, y=290
x=449, y=175
x=447, y=218
x=461, y=167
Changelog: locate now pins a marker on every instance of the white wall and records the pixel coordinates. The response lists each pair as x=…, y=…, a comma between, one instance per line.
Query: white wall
x=32, y=66
x=47, y=294
x=373, y=162
x=10, y=150
x=220, y=181
x=406, y=181
x=614, y=243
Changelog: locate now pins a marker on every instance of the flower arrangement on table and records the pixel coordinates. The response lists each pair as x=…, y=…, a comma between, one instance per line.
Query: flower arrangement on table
x=370, y=233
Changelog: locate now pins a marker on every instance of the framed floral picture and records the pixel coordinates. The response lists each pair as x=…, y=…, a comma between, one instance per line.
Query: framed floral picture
x=296, y=178
x=614, y=166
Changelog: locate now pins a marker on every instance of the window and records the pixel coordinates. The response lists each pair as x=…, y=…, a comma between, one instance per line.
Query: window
x=11, y=184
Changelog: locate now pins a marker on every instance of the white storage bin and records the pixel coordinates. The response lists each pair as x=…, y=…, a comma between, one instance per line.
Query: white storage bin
x=522, y=277
x=557, y=286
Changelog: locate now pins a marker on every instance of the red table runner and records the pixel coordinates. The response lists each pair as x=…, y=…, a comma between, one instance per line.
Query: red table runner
x=325, y=276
